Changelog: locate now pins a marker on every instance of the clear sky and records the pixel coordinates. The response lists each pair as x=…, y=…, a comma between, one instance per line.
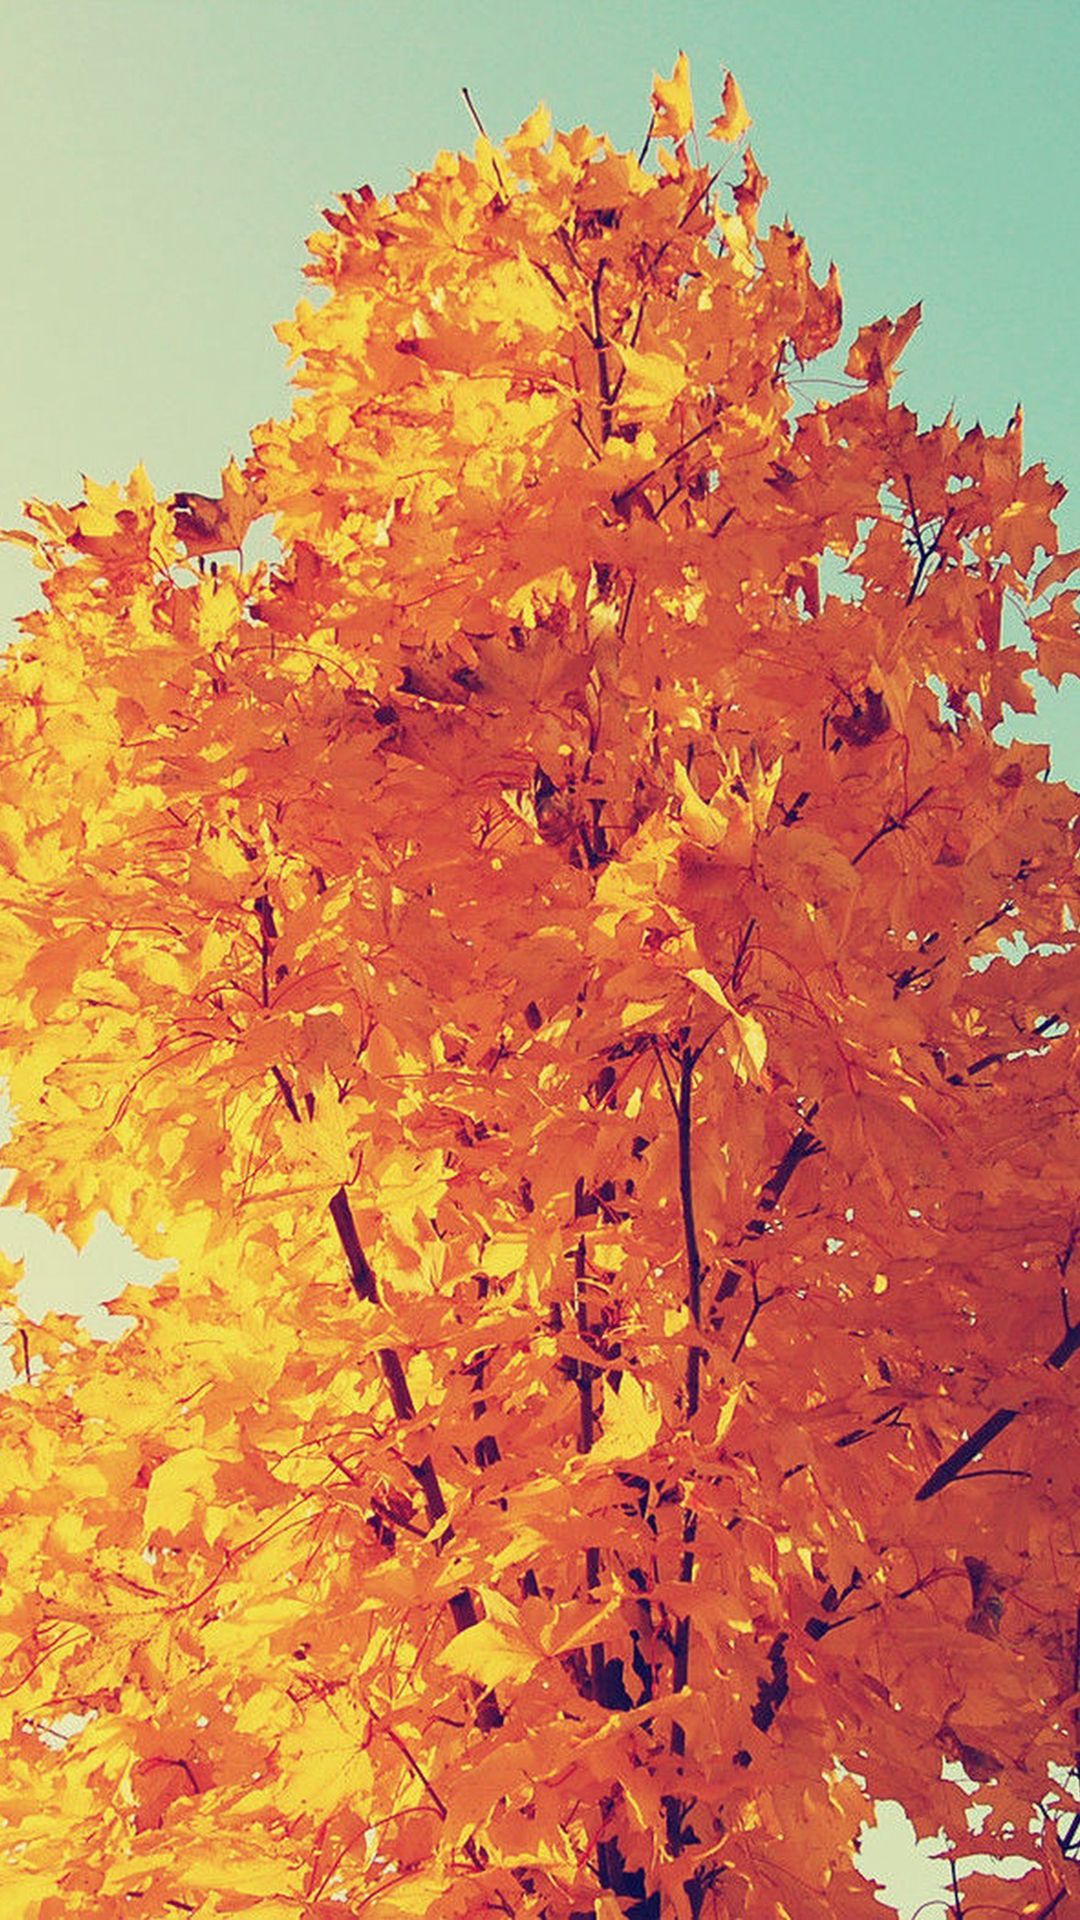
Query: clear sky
x=164, y=160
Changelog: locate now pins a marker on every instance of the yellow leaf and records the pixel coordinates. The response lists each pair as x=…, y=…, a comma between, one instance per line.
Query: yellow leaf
x=26, y=1894
x=319, y=1153
x=727, y=1411
x=753, y=1045
x=636, y=1011
x=505, y=1253
x=323, y=1758
x=673, y=104
x=175, y=1487
x=877, y=348
x=631, y=1420
x=419, y=1894
x=748, y=1054
x=209, y=523
x=255, y=1867
x=237, y=1634
x=652, y=382
x=707, y=825
x=490, y=1654
x=708, y=982
x=535, y=131
x=732, y=123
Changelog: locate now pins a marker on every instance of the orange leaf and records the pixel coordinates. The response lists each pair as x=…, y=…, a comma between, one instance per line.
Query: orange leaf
x=877, y=348
x=211, y=523
x=733, y=122
x=673, y=104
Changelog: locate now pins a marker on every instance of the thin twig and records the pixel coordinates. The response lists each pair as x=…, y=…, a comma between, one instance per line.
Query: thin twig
x=680, y=1671
x=477, y=122
x=741, y=953
x=600, y=347
x=286, y=1093
x=667, y=1076
x=760, y=1300
x=926, y=552
x=264, y=913
x=893, y=824
x=482, y=130
x=648, y=137
x=399, y=1743
x=643, y=479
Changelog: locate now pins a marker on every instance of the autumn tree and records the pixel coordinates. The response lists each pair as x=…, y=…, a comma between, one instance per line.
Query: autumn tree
x=564, y=965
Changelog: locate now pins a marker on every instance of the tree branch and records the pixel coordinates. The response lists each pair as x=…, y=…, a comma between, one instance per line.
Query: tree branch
x=760, y=1300
x=360, y=1273
x=264, y=913
x=462, y=1605
x=802, y=1146
x=680, y=1670
x=414, y=1764
x=952, y=1468
x=600, y=348
x=695, y=1271
x=893, y=823
x=926, y=550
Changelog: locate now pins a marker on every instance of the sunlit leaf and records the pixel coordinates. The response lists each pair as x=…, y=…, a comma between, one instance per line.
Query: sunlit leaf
x=733, y=122
x=673, y=104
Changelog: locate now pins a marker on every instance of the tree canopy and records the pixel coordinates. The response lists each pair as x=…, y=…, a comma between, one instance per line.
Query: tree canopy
x=563, y=963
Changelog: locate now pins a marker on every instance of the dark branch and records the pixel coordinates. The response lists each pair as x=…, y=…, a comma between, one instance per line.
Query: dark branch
x=286, y=1093
x=925, y=549
x=968, y=1450
x=760, y=1300
x=892, y=824
x=360, y=1273
x=695, y=1271
x=607, y=395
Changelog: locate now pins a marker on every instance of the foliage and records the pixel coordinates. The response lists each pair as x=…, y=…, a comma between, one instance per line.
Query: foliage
x=563, y=897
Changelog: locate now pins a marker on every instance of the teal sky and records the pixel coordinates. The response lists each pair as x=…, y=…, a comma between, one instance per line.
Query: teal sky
x=164, y=161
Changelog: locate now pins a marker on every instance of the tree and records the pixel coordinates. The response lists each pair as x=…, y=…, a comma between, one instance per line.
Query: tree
x=569, y=896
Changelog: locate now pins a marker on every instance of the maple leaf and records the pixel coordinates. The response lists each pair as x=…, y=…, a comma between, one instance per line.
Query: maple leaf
x=491, y=1654
x=211, y=523
x=876, y=349
x=673, y=103
x=733, y=122
x=651, y=381
x=630, y=1421
x=1056, y=634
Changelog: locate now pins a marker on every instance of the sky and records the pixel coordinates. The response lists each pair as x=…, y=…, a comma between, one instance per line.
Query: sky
x=164, y=161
